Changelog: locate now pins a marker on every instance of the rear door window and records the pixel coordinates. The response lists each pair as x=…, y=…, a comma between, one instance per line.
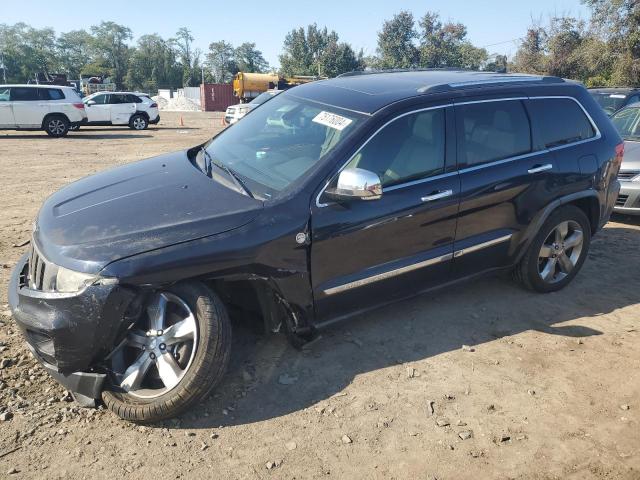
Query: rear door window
x=24, y=94
x=50, y=94
x=490, y=131
x=558, y=121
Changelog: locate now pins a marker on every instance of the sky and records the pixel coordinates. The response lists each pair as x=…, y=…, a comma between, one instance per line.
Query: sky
x=496, y=25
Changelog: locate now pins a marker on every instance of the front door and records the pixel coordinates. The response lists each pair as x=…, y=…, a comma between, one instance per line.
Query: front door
x=97, y=108
x=6, y=112
x=364, y=253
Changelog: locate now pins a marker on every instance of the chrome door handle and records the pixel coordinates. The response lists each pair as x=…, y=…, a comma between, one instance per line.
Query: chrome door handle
x=437, y=196
x=540, y=168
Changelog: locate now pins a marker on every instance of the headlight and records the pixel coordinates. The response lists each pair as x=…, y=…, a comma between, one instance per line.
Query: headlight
x=68, y=281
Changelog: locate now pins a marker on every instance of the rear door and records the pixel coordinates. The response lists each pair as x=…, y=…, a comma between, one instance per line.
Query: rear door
x=364, y=253
x=28, y=110
x=504, y=181
x=6, y=112
x=122, y=108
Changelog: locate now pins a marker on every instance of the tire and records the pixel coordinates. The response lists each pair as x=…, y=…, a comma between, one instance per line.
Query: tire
x=138, y=122
x=204, y=370
x=56, y=125
x=545, y=266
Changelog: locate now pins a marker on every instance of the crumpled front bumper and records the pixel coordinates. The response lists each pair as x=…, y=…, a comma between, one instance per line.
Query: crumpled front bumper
x=69, y=332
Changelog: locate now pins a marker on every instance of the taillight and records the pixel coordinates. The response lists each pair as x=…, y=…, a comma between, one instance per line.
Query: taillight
x=153, y=105
x=79, y=106
x=619, y=154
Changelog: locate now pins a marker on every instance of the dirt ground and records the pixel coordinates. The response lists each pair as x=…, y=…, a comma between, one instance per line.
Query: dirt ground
x=546, y=386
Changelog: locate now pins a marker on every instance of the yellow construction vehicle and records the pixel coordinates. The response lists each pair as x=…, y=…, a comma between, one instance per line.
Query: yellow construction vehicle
x=247, y=86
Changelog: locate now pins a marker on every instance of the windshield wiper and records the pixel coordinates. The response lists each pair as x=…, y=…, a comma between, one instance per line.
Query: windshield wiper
x=234, y=176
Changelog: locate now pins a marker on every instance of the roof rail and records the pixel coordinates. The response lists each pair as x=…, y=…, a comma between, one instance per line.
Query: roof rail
x=498, y=80
x=374, y=71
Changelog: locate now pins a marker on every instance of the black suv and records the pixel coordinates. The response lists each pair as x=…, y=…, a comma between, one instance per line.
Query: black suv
x=329, y=200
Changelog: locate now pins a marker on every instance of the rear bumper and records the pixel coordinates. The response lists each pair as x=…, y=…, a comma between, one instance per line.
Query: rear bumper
x=155, y=120
x=628, y=201
x=69, y=333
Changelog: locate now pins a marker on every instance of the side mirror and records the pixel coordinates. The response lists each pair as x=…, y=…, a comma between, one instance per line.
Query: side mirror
x=356, y=183
x=90, y=102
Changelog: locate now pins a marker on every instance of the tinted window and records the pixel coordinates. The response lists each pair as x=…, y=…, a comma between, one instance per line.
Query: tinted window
x=492, y=131
x=50, y=94
x=133, y=99
x=558, y=121
x=4, y=94
x=409, y=148
x=19, y=94
x=120, y=98
x=100, y=99
x=610, y=102
x=627, y=122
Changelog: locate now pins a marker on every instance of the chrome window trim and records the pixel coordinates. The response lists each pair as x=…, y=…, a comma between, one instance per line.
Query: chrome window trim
x=415, y=266
x=388, y=274
x=597, y=136
x=480, y=246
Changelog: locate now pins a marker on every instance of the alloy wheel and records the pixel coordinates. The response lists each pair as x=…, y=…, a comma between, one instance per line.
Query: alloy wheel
x=56, y=126
x=157, y=353
x=560, y=251
x=139, y=123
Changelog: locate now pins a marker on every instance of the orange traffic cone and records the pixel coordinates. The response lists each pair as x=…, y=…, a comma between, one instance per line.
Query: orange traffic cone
x=181, y=121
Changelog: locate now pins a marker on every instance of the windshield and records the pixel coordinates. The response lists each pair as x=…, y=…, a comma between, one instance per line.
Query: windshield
x=280, y=141
x=263, y=97
x=610, y=102
x=627, y=122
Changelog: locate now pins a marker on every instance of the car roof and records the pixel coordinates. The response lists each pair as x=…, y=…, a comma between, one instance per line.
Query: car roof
x=367, y=92
x=35, y=85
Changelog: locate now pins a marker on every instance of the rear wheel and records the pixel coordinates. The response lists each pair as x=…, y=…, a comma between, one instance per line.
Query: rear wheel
x=56, y=125
x=138, y=122
x=558, y=251
x=173, y=357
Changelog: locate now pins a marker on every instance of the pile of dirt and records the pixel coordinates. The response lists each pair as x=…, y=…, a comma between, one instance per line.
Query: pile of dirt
x=176, y=104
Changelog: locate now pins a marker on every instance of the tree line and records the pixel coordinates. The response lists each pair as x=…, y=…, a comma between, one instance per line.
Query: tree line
x=604, y=50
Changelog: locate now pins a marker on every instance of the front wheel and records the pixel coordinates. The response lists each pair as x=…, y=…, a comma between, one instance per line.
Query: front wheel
x=558, y=251
x=173, y=356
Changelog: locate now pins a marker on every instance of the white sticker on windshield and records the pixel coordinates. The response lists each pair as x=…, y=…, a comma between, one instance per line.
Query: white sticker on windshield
x=617, y=95
x=332, y=120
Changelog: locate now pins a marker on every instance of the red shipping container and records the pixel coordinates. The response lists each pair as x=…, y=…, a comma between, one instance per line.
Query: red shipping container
x=216, y=97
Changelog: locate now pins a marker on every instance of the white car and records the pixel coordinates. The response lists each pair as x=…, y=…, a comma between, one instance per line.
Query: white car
x=52, y=108
x=134, y=110
x=236, y=112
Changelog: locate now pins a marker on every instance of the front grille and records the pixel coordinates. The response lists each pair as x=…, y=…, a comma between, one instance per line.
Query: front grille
x=621, y=200
x=41, y=274
x=627, y=175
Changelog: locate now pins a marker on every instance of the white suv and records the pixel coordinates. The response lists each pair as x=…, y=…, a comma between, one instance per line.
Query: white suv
x=52, y=108
x=121, y=108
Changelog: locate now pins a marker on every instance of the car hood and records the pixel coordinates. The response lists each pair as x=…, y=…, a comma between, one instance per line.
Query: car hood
x=136, y=208
x=631, y=159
